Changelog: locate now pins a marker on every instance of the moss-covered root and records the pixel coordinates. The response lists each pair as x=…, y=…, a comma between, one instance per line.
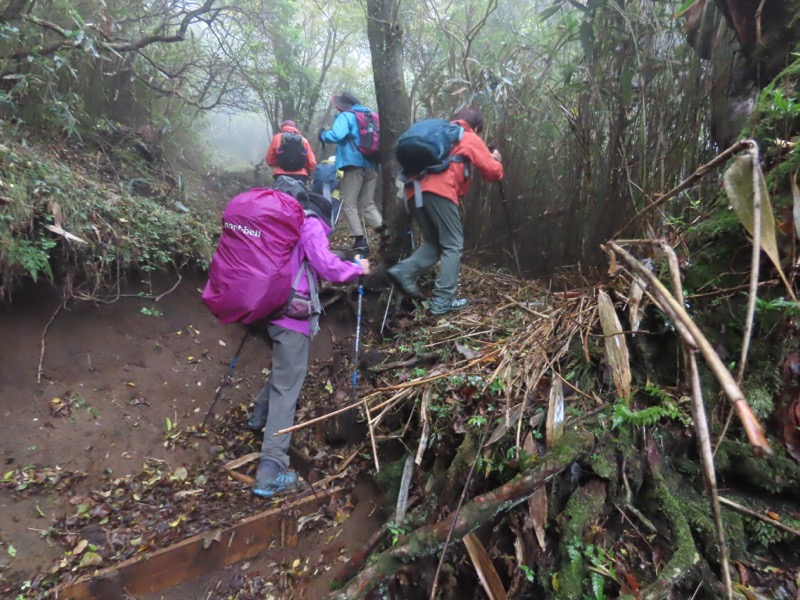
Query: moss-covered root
x=685, y=555
x=584, y=507
x=428, y=540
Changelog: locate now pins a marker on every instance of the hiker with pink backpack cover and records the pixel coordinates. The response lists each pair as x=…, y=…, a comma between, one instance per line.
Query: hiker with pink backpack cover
x=356, y=133
x=266, y=271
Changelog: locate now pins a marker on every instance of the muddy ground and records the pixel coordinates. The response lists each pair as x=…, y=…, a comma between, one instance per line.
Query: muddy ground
x=115, y=377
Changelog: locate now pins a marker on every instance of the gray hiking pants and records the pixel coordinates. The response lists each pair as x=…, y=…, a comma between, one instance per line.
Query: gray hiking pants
x=280, y=394
x=358, y=198
x=439, y=219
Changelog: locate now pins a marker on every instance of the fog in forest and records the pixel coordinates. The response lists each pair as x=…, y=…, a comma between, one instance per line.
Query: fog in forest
x=236, y=140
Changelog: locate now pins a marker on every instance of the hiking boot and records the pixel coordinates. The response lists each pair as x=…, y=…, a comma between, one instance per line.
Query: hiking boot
x=440, y=306
x=406, y=283
x=360, y=245
x=255, y=424
x=273, y=479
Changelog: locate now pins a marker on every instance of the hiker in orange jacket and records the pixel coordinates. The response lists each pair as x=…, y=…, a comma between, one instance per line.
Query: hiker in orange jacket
x=290, y=154
x=439, y=217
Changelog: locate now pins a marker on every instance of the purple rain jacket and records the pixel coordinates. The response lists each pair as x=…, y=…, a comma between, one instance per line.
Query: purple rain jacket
x=315, y=247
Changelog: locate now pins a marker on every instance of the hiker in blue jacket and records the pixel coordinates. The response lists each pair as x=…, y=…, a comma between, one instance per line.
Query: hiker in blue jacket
x=360, y=177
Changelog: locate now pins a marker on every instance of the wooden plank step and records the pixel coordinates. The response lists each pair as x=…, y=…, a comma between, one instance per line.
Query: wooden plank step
x=196, y=555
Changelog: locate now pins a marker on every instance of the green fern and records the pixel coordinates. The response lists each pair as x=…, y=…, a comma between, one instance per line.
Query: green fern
x=647, y=417
x=598, y=585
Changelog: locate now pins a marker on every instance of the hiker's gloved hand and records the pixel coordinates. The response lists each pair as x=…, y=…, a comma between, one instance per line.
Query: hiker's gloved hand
x=497, y=156
x=363, y=263
x=321, y=131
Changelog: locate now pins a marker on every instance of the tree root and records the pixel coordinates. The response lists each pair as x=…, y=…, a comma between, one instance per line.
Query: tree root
x=430, y=539
x=685, y=555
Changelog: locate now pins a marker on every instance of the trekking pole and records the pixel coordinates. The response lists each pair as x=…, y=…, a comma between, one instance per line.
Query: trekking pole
x=224, y=379
x=386, y=312
x=510, y=229
x=391, y=289
x=358, y=342
x=355, y=382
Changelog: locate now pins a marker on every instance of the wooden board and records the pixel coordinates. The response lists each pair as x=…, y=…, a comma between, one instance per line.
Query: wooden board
x=196, y=555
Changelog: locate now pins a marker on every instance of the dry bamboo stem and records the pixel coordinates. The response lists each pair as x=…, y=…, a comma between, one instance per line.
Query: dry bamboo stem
x=757, y=515
x=703, y=434
x=677, y=312
x=699, y=173
x=372, y=437
x=401, y=386
x=755, y=261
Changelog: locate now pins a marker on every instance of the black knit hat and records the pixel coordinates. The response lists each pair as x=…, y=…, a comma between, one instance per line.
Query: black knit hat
x=319, y=205
x=345, y=101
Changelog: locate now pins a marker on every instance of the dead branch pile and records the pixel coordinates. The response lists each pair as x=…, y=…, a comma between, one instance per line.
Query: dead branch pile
x=601, y=510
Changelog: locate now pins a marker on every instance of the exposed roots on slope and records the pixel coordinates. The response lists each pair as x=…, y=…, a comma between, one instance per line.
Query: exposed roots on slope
x=625, y=515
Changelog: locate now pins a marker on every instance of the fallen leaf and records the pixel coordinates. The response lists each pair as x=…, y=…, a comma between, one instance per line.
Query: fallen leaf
x=537, y=504
x=739, y=186
x=181, y=474
x=487, y=574
x=65, y=234
x=616, y=348
x=556, y=414
x=91, y=559
x=12, y=552
x=80, y=547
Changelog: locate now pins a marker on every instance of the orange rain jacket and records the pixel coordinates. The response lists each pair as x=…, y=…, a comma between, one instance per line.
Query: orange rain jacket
x=272, y=154
x=452, y=184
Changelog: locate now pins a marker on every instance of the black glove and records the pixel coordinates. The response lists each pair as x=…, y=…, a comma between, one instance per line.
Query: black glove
x=321, y=131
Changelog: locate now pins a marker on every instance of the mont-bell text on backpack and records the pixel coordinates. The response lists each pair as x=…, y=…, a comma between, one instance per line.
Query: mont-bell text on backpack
x=242, y=228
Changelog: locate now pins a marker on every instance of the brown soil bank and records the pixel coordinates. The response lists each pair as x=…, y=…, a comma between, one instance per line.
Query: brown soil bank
x=116, y=378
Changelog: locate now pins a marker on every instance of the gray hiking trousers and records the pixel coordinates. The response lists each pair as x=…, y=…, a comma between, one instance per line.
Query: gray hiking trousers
x=439, y=219
x=280, y=394
x=358, y=198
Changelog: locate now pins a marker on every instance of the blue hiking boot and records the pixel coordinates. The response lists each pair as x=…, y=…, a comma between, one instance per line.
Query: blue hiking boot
x=404, y=282
x=440, y=307
x=273, y=479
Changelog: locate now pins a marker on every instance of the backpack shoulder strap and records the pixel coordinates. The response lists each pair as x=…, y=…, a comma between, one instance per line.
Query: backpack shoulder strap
x=313, y=292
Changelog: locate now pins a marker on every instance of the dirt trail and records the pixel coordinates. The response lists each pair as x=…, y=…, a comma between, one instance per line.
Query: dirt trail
x=118, y=375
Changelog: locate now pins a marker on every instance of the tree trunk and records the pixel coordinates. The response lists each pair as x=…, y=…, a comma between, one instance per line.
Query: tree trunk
x=428, y=540
x=386, y=45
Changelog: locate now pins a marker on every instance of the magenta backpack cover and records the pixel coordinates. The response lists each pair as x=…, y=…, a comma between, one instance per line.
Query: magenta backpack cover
x=250, y=276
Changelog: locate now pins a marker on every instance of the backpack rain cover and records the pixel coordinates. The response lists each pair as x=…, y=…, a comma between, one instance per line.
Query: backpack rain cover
x=250, y=276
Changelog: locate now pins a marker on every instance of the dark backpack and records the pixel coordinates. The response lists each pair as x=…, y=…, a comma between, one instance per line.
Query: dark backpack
x=292, y=153
x=426, y=147
x=369, y=134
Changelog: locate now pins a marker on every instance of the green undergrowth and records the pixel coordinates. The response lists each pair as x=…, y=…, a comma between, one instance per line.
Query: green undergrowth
x=121, y=207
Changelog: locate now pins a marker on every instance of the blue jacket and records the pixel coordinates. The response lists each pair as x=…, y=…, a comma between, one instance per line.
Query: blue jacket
x=344, y=134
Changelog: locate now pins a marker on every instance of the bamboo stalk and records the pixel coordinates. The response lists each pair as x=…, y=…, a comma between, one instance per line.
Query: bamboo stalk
x=401, y=386
x=755, y=262
x=757, y=515
x=703, y=434
x=718, y=160
x=676, y=311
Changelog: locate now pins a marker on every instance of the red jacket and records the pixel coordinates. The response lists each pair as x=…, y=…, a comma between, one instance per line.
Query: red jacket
x=272, y=154
x=452, y=184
